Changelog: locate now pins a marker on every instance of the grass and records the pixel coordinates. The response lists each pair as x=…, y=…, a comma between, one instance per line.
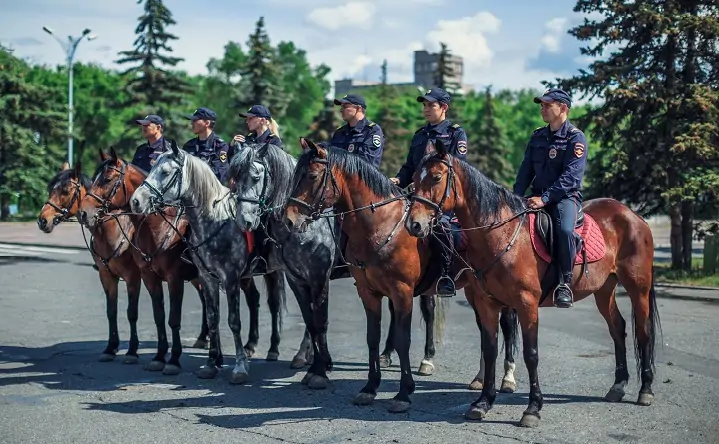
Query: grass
x=695, y=277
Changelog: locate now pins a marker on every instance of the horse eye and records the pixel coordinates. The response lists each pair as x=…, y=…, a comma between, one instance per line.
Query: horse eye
x=313, y=176
x=437, y=177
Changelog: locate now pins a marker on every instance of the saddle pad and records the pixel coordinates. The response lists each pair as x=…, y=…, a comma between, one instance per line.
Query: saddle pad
x=589, y=232
x=250, y=238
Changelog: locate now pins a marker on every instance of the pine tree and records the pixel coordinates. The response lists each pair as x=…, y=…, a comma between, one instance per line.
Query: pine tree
x=395, y=152
x=444, y=77
x=325, y=123
x=657, y=125
x=489, y=147
x=30, y=119
x=150, y=83
x=262, y=74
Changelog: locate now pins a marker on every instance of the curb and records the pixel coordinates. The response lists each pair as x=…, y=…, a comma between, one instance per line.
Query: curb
x=39, y=245
x=684, y=287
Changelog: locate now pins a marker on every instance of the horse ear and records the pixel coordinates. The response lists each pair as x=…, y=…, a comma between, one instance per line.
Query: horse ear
x=309, y=145
x=78, y=169
x=175, y=149
x=103, y=155
x=113, y=154
x=441, y=148
x=65, y=166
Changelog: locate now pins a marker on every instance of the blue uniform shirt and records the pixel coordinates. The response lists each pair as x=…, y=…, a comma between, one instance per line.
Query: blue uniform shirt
x=262, y=138
x=451, y=134
x=365, y=138
x=146, y=154
x=556, y=162
x=213, y=151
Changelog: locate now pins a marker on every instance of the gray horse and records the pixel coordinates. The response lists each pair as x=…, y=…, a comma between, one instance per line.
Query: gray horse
x=262, y=178
x=221, y=255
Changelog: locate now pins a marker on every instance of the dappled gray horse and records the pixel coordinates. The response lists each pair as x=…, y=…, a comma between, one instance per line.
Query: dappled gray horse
x=216, y=247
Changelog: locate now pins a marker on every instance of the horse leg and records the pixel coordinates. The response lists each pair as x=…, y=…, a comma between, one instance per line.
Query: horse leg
x=372, y=302
x=323, y=361
x=201, y=341
x=638, y=280
x=211, y=291
x=529, y=320
x=488, y=313
x=154, y=287
x=427, y=306
x=240, y=373
x=176, y=287
x=403, y=314
x=109, y=285
x=275, y=301
x=478, y=381
x=508, y=323
x=133, y=283
x=252, y=297
x=607, y=306
x=385, y=359
x=302, y=294
x=302, y=356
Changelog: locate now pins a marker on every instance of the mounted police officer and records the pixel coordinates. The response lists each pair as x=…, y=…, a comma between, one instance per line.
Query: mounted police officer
x=207, y=145
x=435, y=104
x=556, y=158
x=147, y=153
x=359, y=135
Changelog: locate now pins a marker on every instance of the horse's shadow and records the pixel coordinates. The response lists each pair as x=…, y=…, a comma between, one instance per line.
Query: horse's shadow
x=273, y=394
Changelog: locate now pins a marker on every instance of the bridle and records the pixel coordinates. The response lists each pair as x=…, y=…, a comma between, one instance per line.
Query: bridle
x=106, y=202
x=64, y=213
x=262, y=199
x=315, y=209
x=447, y=191
x=158, y=194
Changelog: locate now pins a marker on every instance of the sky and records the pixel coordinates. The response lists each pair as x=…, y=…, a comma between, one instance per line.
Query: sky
x=505, y=44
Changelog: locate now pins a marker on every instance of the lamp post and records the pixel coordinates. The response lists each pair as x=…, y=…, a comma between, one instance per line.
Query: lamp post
x=70, y=47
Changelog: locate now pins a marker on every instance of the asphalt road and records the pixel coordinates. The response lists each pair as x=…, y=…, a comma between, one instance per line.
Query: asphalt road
x=53, y=390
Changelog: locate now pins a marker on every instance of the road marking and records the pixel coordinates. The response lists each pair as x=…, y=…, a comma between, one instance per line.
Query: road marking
x=7, y=248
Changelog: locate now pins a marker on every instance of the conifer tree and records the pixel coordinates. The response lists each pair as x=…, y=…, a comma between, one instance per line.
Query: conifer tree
x=394, y=153
x=325, y=123
x=489, y=147
x=444, y=77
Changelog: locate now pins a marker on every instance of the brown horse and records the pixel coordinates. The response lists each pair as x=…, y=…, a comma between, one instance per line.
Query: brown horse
x=158, y=245
x=109, y=250
x=384, y=258
x=509, y=260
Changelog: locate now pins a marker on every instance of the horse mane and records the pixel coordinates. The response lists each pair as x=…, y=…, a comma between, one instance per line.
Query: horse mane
x=280, y=167
x=206, y=191
x=490, y=198
x=352, y=165
x=63, y=177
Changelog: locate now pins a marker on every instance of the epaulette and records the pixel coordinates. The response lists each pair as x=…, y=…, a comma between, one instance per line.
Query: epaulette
x=455, y=126
x=538, y=129
x=340, y=127
x=249, y=134
x=371, y=124
x=574, y=129
x=419, y=130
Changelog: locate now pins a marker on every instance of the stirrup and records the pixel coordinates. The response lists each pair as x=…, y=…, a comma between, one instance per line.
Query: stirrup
x=451, y=283
x=554, y=295
x=253, y=265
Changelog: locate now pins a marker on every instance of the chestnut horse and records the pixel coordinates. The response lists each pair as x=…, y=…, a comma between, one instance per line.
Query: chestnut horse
x=157, y=245
x=509, y=261
x=384, y=258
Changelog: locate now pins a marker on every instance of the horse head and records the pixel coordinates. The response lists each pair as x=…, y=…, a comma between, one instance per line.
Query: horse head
x=108, y=191
x=65, y=191
x=163, y=185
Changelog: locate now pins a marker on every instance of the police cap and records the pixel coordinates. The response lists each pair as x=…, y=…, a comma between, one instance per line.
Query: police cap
x=555, y=95
x=353, y=99
x=435, y=95
x=202, y=114
x=152, y=118
x=257, y=111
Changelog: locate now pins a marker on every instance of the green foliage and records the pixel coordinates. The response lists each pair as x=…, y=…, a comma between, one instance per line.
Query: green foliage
x=489, y=146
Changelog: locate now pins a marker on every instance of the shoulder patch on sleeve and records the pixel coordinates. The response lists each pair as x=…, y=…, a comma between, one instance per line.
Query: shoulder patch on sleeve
x=578, y=149
x=376, y=140
x=462, y=147
x=223, y=156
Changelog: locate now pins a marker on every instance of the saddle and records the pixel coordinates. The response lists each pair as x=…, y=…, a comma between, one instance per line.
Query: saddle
x=590, y=246
x=544, y=227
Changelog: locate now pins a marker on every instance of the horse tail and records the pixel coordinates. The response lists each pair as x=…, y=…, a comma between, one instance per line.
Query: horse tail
x=653, y=325
x=440, y=318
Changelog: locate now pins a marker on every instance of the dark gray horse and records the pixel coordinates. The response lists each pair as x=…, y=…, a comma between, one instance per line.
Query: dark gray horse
x=221, y=255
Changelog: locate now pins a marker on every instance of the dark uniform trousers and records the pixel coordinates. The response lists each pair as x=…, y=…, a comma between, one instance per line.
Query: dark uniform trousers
x=564, y=216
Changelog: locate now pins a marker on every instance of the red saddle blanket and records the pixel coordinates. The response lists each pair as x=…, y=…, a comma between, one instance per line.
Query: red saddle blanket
x=589, y=232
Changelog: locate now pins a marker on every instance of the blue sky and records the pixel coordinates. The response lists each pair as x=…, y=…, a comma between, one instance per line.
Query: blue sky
x=508, y=44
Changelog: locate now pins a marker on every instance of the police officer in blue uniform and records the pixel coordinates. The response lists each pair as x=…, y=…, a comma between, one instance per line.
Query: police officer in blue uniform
x=435, y=103
x=555, y=159
x=359, y=135
x=207, y=145
x=263, y=128
x=147, y=153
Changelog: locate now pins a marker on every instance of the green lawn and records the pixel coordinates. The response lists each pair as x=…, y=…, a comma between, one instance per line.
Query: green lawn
x=694, y=277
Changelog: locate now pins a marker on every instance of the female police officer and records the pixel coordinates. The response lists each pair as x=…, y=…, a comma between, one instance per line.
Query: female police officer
x=263, y=128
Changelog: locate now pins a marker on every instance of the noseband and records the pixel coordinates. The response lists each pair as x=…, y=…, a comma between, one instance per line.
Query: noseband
x=448, y=189
x=316, y=208
x=106, y=202
x=262, y=199
x=64, y=213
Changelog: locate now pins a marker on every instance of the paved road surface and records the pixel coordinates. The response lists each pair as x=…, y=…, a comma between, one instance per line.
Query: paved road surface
x=53, y=390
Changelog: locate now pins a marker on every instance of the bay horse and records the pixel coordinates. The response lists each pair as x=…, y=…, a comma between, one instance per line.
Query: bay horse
x=156, y=249
x=215, y=244
x=509, y=260
x=108, y=249
x=384, y=258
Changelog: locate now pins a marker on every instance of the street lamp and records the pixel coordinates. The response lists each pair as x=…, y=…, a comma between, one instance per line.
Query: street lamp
x=70, y=46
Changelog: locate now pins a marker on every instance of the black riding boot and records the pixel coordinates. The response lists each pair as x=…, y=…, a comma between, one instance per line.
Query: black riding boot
x=445, y=284
x=563, y=297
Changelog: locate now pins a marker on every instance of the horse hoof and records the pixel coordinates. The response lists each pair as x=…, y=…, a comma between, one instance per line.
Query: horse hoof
x=297, y=363
x=155, y=366
x=272, y=356
x=130, y=359
x=508, y=386
x=614, y=395
x=385, y=361
x=200, y=344
x=475, y=413
x=239, y=378
x=171, y=369
x=307, y=378
x=426, y=368
x=398, y=406
x=250, y=352
x=476, y=385
x=106, y=357
x=364, y=398
x=207, y=372
x=645, y=399
x=529, y=420
x=317, y=383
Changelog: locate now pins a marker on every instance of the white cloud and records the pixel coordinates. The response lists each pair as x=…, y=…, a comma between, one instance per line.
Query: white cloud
x=556, y=29
x=353, y=14
x=466, y=37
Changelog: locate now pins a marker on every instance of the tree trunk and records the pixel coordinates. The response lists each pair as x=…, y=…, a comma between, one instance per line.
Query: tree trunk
x=687, y=234
x=4, y=208
x=675, y=236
